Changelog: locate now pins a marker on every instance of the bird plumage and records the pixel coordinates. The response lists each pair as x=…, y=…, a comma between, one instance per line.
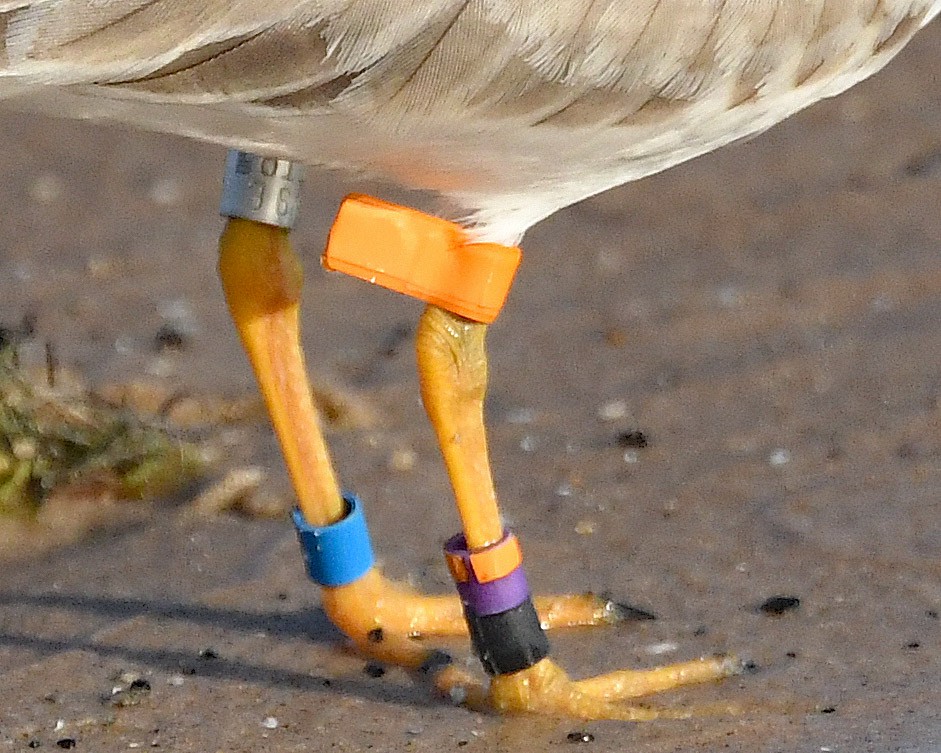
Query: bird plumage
x=510, y=109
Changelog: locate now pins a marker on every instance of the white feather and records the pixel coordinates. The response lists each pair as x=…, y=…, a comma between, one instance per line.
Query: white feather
x=511, y=109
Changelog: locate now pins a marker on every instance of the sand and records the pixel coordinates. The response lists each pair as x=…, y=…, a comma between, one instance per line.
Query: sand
x=768, y=317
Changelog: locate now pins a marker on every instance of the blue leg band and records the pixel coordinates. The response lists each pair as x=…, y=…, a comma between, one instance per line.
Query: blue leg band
x=340, y=553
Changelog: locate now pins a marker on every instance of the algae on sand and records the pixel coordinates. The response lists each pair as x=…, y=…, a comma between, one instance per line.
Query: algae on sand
x=61, y=435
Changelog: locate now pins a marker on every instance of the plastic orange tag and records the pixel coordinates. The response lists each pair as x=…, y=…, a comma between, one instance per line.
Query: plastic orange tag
x=421, y=256
x=488, y=564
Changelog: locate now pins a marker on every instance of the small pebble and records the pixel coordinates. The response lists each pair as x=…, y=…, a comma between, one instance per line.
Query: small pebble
x=46, y=189
x=613, y=410
x=403, y=460
x=24, y=448
x=729, y=296
x=170, y=337
x=374, y=670
x=521, y=416
x=634, y=438
x=664, y=647
x=580, y=736
x=777, y=605
x=208, y=653
x=269, y=722
x=67, y=743
x=132, y=695
x=166, y=192
x=779, y=457
x=585, y=527
x=125, y=345
x=176, y=309
x=33, y=744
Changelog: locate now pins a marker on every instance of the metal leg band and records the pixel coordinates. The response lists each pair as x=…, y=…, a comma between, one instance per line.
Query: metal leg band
x=263, y=189
x=338, y=554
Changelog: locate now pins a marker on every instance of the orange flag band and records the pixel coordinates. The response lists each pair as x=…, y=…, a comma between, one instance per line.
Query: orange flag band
x=422, y=256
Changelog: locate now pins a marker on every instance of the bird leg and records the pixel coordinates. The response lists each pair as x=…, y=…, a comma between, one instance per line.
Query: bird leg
x=262, y=280
x=452, y=363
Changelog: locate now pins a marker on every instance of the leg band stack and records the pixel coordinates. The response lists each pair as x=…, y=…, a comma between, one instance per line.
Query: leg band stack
x=502, y=620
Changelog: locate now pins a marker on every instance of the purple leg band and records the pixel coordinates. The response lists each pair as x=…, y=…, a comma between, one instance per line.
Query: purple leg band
x=497, y=595
x=489, y=598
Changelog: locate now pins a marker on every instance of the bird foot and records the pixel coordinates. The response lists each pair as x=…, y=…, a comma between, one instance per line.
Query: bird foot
x=384, y=619
x=546, y=689
x=262, y=278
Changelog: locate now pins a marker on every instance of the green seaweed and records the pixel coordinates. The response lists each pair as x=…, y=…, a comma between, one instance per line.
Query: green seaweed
x=52, y=438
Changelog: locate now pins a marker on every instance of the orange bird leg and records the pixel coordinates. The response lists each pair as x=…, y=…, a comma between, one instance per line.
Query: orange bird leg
x=262, y=281
x=452, y=363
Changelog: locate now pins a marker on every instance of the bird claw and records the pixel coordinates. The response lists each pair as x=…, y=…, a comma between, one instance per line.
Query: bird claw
x=617, y=612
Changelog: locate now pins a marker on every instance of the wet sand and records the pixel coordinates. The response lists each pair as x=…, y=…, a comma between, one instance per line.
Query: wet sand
x=769, y=317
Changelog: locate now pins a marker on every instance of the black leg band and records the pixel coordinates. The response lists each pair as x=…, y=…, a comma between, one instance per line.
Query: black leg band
x=509, y=641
